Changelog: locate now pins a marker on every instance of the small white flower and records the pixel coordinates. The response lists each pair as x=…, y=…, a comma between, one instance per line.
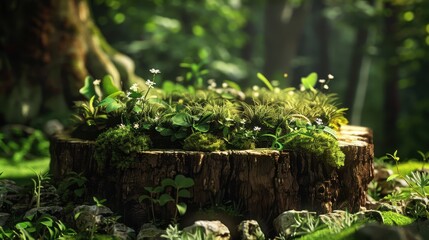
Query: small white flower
x=136, y=126
x=326, y=86
x=255, y=88
x=319, y=121
x=128, y=94
x=243, y=121
x=154, y=71
x=301, y=88
x=224, y=85
x=121, y=126
x=156, y=118
x=150, y=83
x=330, y=76
x=256, y=129
x=96, y=82
x=134, y=87
x=322, y=80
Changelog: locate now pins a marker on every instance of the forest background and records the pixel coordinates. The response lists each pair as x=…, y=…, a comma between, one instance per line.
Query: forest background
x=378, y=51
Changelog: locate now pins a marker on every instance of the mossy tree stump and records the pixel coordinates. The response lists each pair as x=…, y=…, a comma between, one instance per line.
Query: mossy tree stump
x=264, y=182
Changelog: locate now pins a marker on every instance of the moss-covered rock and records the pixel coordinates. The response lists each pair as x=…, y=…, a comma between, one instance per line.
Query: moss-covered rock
x=205, y=142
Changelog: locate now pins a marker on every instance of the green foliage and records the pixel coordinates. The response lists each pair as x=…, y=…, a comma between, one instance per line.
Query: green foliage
x=396, y=219
x=118, y=145
x=73, y=187
x=306, y=225
x=38, y=186
x=159, y=195
x=19, y=144
x=203, y=142
x=173, y=233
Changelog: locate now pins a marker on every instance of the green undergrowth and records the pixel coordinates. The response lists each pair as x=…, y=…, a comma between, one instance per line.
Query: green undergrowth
x=325, y=233
x=22, y=172
x=396, y=219
x=409, y=166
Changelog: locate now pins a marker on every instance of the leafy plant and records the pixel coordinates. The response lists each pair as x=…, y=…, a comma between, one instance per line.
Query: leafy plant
x=38, y=185
x=306, y=225
x=157, y=195
x=203, y=142
x=336, y=223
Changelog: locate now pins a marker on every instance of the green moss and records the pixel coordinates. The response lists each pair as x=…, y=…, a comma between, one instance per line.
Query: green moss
x=203, y=142
x=393, y=218
x=120, y=145
x=325, y=233
x=321, y=144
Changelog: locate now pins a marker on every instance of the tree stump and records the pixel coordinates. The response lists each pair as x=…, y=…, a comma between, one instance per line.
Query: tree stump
x=263, y=182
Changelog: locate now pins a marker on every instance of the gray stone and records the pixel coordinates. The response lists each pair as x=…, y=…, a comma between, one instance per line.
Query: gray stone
x=283, y=224
x=214, y=228
x=90, y=215
x=250, y=230
x=122, y=232
x=150, y=232
x=55, y=211
x=371, y=214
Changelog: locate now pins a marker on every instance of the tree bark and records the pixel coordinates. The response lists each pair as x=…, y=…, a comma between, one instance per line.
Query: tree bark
x=48, y=48
x=263, y=182
x=284, y=24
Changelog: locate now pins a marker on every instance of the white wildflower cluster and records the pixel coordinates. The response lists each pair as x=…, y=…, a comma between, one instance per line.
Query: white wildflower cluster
x=324, y=82
x=134, y=87
x=319, y=121
x=257, y=129
x=150, y=83
x=96, y=82
x=212, y=84
x=154, y=71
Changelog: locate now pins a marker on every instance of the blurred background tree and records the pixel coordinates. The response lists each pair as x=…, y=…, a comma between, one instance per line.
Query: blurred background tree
x=376, y=49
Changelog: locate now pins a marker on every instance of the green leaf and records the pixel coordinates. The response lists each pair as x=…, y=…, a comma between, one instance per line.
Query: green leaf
x=183, y=182
x=182, y=119
x=168, y=182
x=164, y=131
x=265, y=81
x=392, y=177
x=233, y=85
x=23, y=225
x=185, y=193
x=164, y=199
x=107, y=85
x=47, y=223
x=144, y=197
x=310, y=81
x=181, y=208
x=111, y=104
x=202, y=127
x=77, y=215
x=88, y=89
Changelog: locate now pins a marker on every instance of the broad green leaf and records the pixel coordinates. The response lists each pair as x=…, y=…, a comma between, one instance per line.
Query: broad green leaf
x=391, y=177
x=149, y=189
x=144, y=197
x=107, y=85
x=47, y=223
x=88, y=89
x=158, y=189
x=202, y=127
x=164, y=131
x=181, y=208
x=164, y=199
x=310, y=81
x=168, y=182
x=184, y=193
x=182, y=119
x=23, y=225
x=111, y=104
x=265, y=81
x=183, y=182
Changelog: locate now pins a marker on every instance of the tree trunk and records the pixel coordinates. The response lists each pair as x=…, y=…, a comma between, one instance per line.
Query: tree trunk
x=284, y=24
x=48, y=48
x=263, y=182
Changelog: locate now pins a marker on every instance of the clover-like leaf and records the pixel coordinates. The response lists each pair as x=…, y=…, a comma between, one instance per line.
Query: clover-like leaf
x=310, y=81
x=183, y=182
x=88, y=89
x=107, y=85
x=164, y=199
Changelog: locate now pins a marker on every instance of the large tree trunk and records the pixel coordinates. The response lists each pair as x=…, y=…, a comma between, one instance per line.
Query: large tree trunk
x=263, y=182
x=284, y=24
x=48, y=47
